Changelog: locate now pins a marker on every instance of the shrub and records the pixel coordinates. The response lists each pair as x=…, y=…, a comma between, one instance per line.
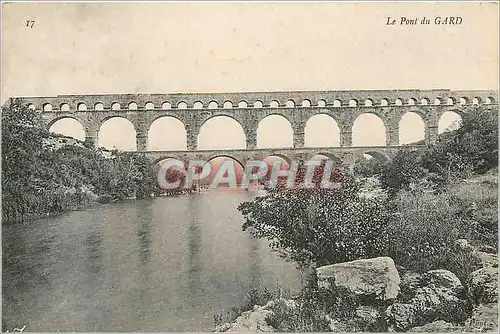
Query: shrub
x=422, y=232
x=368, y=167
x=404, y=170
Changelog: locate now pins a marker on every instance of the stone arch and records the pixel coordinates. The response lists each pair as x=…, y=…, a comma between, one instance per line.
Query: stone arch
x=182, y=105
x=115, y=106
x=149, y=105
x=64, y=107
x=258, y=104
x=31, y=106
x=489, y=100
x=368, y=102
x=47, y=107
x=166, y=105
x=198, y=105
x=306, y=103
x=332, y=156
x=476, y=100
x=437, y=101
x=384, y=102
x=284, y=157
x=411, y=128
x=274, y=104
x=321, y=103
x=67, y=126
x=353, y=103
x=156, y=161
x=132, y=105
x=211, y=129
x=412, y=101
x=369, y=130
x=167, y=133
x=227, y=156
x=216, y=161
x=425, y=101
x=450, y=101
x=117, y=132
x=243, y=104
x=81, y=106
x=398, y=102
x=227, y=105
x=448, y=121
x=290, y=103
x=464, y=101
x=98, y=106
x=213, y=105
x=322, y=130
x=273, y=124
x=337, y=103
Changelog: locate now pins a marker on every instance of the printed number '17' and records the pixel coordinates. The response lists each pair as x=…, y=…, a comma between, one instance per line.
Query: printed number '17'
x=30, y=23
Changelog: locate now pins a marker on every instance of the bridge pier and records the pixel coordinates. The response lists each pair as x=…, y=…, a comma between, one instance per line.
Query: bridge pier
x=431, y=134
x=91, y=141
x=346, y=139
x=392, y=137
x=251, y=141
x=141, y=142
x=298, y=139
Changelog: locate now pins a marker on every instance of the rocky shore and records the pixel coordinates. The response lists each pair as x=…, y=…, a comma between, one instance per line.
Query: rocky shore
x=387, y=298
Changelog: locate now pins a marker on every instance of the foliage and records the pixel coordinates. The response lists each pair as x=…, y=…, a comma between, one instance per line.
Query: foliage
x=39, y=181
x=469, y=150
x=317, y=225
x=403, y=171
x=422, y=232
x=368, y=167
x=473, y=146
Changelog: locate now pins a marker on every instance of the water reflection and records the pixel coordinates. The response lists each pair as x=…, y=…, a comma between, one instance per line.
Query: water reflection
x=167, y=264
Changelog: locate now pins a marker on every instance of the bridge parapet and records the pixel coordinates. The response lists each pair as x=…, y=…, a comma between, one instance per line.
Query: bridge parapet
x=290, y=99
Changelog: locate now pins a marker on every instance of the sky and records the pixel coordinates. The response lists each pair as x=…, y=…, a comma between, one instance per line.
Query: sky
x=79, y=48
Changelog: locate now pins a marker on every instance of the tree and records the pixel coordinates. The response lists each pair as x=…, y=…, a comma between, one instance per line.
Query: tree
x=317, y=225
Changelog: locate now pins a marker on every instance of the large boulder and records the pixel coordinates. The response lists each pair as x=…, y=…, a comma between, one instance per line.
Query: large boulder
x=483, y=285
x=438, y=296
x=365, y=280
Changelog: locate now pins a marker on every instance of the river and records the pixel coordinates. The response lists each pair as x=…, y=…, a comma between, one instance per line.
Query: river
x=166, y=264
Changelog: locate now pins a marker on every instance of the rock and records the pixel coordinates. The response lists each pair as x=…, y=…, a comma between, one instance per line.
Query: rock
x=487, y=259
x=365, y=280
x=410, y=282
x=463, y=244
x=444, y=279
x=487, y=249
x=369, y=319
x=249, y=321
x=483, y=285
x=484, y=319
x=401, y=316
x=437, y=326
x=439, y=296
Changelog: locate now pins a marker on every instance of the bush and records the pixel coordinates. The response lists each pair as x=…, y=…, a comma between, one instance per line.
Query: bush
x=422, y=232
x=317, y=225
x=368, y=167
x=32, y=187
x=403, y=171
x=471, y=149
